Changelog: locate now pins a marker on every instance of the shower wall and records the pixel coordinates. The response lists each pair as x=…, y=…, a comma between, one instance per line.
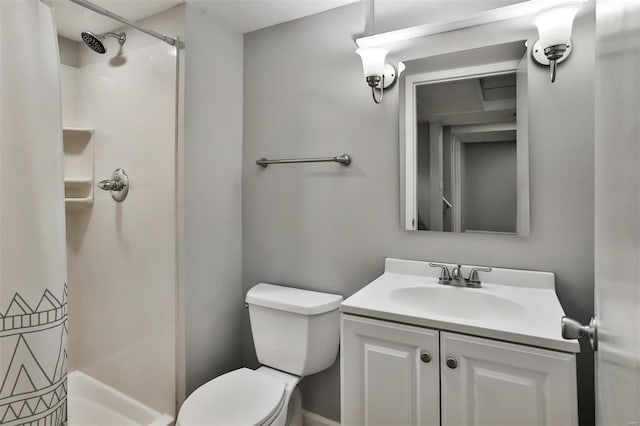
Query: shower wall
x=122, y=257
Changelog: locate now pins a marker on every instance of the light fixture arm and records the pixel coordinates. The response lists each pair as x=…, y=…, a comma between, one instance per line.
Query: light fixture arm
x=554, y=53
x=551, y=56
x=373, y=94
x=374, y=82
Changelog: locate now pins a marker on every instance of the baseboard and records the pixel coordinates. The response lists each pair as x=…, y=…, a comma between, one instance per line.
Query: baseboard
x=313, y=419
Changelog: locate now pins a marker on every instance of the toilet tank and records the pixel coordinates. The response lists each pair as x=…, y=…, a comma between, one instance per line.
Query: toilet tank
x=294, y=330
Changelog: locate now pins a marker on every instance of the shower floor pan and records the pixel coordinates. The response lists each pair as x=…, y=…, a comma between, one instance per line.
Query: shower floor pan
x=92, y=403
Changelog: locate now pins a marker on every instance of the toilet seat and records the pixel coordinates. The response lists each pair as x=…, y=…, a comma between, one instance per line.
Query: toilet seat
x=241, y=397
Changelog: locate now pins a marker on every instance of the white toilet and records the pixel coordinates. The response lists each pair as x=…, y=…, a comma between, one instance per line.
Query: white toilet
x=296, y=333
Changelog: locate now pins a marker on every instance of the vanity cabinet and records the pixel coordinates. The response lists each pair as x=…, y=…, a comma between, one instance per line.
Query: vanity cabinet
x=387, y=379
x=390, y=373
x=486, y=382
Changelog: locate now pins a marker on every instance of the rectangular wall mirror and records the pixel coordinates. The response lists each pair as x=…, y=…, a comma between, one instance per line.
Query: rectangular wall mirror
x=465, y=134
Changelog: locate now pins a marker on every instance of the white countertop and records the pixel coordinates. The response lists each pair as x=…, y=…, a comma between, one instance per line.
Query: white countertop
x=533, y=318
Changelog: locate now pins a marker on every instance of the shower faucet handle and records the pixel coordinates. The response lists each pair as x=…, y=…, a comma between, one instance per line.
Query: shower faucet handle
x=111, y=185
x=118, y=185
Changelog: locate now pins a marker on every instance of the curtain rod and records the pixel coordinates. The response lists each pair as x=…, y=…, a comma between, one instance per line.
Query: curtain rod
x=102, y=11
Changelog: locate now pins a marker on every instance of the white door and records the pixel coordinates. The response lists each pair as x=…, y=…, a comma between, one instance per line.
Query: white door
x=617, y=212
x=491, y=383
x=389, y=375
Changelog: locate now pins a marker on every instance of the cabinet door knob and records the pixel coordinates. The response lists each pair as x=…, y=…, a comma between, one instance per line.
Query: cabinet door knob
x=425, y=357
x=452, y=363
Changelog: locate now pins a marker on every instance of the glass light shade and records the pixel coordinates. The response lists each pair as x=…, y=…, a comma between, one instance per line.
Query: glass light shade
x=372, y=60
x=401, y=68
x=555, y=24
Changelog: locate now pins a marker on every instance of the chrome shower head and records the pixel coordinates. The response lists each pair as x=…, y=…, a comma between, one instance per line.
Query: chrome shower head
x=96, y=41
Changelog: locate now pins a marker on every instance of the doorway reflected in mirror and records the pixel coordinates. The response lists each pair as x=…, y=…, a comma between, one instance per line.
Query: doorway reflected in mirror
x=466, y=147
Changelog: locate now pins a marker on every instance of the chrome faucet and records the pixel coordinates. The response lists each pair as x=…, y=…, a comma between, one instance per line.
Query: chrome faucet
x=455, y=277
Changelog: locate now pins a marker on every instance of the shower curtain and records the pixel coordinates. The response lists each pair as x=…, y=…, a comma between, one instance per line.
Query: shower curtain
x=33, y=299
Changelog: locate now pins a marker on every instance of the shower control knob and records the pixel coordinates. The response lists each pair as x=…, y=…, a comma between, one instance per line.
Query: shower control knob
x=118, y=185
x=111, y=185
x=425, y=357
x=452, y=363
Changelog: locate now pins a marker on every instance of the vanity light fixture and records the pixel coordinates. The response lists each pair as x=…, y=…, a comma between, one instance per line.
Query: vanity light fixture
x=554, y=30
x=379, y=75
x=401, y=68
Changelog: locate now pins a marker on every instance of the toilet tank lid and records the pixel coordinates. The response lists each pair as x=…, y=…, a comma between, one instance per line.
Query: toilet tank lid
x=291, y=299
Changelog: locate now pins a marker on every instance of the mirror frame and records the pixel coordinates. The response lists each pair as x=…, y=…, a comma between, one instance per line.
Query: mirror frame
x=408, y=135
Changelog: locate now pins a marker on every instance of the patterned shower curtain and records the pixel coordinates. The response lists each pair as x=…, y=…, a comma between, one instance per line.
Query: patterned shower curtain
x=33, y=299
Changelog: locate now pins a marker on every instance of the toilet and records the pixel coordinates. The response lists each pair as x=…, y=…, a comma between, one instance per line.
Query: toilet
x=296, y=333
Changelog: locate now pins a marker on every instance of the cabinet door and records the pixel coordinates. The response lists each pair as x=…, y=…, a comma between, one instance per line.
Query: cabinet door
x=496, y=383
x=384, y=381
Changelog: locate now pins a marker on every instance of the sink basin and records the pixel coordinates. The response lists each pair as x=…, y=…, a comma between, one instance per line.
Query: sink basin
x=456, y=302
x=513, y=305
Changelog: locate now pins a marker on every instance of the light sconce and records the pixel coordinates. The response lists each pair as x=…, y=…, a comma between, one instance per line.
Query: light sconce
x=554, y=31
x=379, y=75
x=401, y=68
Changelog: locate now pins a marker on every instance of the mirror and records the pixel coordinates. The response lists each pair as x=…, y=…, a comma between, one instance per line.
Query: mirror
x=465, y=142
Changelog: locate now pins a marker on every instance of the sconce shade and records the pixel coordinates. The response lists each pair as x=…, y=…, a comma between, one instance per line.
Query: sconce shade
x=372, y=60
x=401, y=68
x=555, y=24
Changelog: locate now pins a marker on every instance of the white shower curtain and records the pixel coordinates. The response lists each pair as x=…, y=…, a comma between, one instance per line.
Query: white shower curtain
x=33, y=300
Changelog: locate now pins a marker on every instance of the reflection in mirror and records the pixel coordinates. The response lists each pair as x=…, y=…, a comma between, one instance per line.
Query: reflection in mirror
x=466, y=149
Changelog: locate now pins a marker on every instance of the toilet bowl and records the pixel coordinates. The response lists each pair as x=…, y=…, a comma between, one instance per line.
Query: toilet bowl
x=243, y=397
x=296, y=334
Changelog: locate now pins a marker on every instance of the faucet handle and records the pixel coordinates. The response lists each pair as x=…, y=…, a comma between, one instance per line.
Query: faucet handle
x=473, y=275
x=445, y=276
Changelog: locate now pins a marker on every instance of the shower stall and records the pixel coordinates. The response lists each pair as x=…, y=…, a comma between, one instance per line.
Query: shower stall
x=96, y=222
x=119, y=116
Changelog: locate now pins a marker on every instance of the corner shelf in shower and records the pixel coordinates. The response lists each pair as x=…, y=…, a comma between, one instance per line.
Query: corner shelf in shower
x=78, y=147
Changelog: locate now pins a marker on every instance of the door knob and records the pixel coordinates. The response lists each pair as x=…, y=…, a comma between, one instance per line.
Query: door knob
x=452, y=363
x=572, y=329
x=425, y=357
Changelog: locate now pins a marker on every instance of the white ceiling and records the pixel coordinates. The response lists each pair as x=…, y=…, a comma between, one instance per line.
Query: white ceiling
x=241, y=15
x=471, y=101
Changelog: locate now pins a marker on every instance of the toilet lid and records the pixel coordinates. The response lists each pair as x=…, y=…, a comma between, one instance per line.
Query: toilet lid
x=242, y=397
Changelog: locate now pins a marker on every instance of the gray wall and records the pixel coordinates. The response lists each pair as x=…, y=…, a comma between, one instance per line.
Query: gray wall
x=489, y=186
x=422, y=178
x=212, y=264
x=328, y=228
x=397, y=14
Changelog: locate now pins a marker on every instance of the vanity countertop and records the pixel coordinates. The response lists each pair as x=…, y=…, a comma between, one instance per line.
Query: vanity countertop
x=513, y=305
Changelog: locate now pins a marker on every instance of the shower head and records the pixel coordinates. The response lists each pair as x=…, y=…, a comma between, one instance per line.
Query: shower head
x=96, y=41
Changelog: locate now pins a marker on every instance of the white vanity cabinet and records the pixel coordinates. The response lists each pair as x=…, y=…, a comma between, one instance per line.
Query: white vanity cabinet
x=492, y=383
x=467, y=380
x=390, y=373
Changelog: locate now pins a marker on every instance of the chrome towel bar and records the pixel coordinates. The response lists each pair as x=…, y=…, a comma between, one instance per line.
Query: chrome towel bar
x=343, y=159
